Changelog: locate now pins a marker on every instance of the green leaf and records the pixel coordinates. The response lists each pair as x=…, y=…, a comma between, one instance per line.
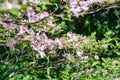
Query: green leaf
x=14, y=11
x=95, y=63
x=2, y=41
x=73, y=75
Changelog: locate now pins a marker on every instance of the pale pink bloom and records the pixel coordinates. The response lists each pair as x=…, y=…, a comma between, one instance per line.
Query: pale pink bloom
x=41, y=36
x=22, y=30
x=59, y=43
x=50, y=23
x=84, y=5
x=76, y=11
x=73, y=1
x=69, y=34
x=96, y=57
x=30, y=12
x=37, y=17
x=11, y=5
x=79, y=53
x=89, y=71
x=35, y=1
x=24, y=2
x=42, y=54
x=50, y=43
x=11, y=43
x=43, y=15
x=36, y=46
x=76, y=15
x=115, y=78
x=75, y=8
x=76, y=45
x=100, y=1
x=34, y=19
x=8, y=5
x=68, y=56
x=95, y=1
x=86, y=58
x=73, y=4
x=29, y=38
x=43, y=47
x=85, y=41
x=30, y=31
x=31, y=20
x=73, y=38
x=70, y=40
x=8, y=25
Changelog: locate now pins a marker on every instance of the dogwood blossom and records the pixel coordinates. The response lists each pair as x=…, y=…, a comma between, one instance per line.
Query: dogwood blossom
x=79, y=53
x=8, y=25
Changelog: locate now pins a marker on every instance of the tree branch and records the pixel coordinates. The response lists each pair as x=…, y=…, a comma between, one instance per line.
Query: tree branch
x=32, y=67
x=99, y=9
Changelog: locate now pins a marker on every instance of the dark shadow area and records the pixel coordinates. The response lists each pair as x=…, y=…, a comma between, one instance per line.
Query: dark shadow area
x=104, y=22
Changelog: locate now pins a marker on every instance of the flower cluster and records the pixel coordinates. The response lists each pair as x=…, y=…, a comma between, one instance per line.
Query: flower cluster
x=77, y=7
x=40, y=42
x=33, y=17
x=32, y=1
x=44, y=36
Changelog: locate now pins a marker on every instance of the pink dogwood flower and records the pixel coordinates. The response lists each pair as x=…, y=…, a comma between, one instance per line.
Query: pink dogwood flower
x=38, y=48
x=22, y=30
x=42, y=37
x=30, y=12
x=95, y=1
x=42, y=54
x=36, y=18
x=50, y=23
x=84, y=5
x=11, y=43
x=76, y=11
x=86, y=58
x=50, y=44
x=89, y=71
x=8, y=25
x=61, y=43
x=73, y=3
x=68, y=56
x=79, y=53
x=42, y=15
x=73, y=38
x=96, y=57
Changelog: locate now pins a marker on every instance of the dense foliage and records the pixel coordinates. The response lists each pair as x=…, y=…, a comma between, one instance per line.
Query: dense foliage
x=59, y=40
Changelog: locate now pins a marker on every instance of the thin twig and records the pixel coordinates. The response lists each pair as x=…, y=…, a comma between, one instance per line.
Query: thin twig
x=103, y=8
x=51, y=14
x=30, y=68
